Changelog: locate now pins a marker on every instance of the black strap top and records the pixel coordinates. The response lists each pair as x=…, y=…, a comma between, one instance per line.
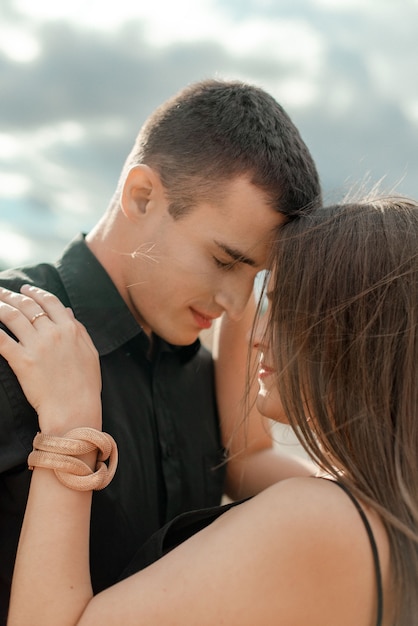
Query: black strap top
x=375, y=552
x=187, y=524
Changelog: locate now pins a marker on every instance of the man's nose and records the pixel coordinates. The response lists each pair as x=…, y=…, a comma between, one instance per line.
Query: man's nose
x=233, y=298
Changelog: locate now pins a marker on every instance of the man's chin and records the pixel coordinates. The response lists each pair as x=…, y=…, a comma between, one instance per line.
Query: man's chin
x=180, y=340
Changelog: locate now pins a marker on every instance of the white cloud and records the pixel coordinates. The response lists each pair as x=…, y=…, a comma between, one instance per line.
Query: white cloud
x=296, y=93
x=13, y=184
x=15, y=248
x=18, y=44
x=355, y=5
x=410, y=108
x=10, y=146
x=168, y=21
x=292, y=42
x=67, y=131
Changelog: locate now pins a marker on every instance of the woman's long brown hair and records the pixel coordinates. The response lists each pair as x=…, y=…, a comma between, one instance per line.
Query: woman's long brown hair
x=344, y=330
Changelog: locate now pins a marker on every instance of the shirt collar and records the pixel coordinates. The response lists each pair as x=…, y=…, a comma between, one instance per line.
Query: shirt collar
x=94, y=298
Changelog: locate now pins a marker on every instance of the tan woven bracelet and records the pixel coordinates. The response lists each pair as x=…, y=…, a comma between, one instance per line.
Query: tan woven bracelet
x=60, y=454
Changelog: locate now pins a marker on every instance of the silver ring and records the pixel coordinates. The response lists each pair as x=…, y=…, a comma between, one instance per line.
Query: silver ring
x=35, y=317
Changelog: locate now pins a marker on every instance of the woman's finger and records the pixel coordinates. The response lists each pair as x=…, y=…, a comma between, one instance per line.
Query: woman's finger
x=25, y=306
x=47, y=302
x=16, y=322
x=12, y=319
x=36, y=309
x=56, y=311
x=36, y=304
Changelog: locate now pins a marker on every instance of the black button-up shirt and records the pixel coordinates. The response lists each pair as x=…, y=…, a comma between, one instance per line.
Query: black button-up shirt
x=161, y=410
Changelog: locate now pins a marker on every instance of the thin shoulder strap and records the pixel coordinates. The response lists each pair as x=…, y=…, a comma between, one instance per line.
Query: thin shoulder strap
x=374, y=551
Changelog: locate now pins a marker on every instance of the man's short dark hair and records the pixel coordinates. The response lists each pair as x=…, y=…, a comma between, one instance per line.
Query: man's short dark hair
x=213, y=131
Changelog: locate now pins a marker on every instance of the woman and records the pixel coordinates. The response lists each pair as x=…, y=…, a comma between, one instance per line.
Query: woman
x=339, y=348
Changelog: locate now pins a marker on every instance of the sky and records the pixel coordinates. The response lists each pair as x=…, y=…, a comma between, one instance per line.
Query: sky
x=78, y=79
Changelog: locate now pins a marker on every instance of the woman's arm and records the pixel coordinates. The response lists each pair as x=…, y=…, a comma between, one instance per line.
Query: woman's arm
x=254, y=463
x=51, y=581
x=57, y=366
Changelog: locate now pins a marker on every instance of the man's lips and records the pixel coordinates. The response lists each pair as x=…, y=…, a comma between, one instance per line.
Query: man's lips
x=202, y=320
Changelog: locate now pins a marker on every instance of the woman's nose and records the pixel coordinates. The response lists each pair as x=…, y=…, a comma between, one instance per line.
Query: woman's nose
x=259, y=335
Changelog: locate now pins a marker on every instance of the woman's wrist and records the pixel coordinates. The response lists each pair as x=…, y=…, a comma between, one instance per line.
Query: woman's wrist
x=59, y=422
x=77, y=458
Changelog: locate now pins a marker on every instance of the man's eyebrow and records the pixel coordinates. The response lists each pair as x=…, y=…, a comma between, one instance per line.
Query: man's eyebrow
x=236, y=255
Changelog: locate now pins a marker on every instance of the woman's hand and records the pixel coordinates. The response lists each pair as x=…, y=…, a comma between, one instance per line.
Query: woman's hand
x=53, y=358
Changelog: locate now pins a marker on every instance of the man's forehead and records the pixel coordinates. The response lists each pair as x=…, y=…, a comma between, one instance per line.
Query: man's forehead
x=253, y=253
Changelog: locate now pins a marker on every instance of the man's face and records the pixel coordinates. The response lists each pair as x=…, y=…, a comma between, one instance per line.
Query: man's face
x=186, y=272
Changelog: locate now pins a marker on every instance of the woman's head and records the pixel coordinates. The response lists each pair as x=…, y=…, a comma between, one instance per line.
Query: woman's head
x=343, y=322
x=343, y=337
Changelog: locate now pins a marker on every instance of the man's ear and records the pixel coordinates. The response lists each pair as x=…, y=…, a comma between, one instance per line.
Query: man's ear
x=142, y=188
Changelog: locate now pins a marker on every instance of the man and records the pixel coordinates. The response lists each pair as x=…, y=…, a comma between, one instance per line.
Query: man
x=213, y=173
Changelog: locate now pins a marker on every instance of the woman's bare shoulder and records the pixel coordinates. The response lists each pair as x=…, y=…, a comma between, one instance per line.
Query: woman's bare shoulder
x=319, y=539
x=320, y=507
x=295, y=554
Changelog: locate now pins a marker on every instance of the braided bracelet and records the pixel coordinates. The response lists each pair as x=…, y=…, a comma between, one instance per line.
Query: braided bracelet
x=59, y=454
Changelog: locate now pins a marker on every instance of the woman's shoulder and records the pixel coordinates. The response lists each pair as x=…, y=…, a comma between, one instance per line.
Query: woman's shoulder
x=321, y=499
x=307, y=500
x=318, y=539
x=319, y=507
